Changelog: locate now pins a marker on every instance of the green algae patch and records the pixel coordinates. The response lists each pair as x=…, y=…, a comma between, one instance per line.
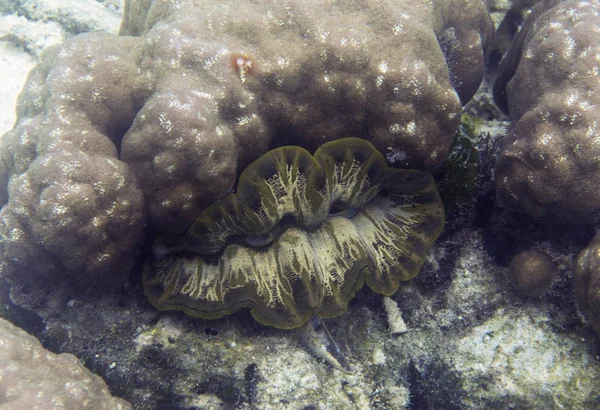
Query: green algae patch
x=302, y=234
x=460, y=176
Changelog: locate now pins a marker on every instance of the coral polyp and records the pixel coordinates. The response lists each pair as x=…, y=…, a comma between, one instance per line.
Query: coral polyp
x=302, y=234
x=243, y=64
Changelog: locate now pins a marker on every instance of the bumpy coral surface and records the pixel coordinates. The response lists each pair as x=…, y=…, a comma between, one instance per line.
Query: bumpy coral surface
x=550, y=81
x=70, y=207
x=230, y=80
x=587, y=283
x=297, y=249
x=111, y=127
x=532, y=272
x=31, y=377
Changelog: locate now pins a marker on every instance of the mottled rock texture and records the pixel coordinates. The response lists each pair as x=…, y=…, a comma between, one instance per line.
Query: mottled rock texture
x=32, y=377
x=549, y=82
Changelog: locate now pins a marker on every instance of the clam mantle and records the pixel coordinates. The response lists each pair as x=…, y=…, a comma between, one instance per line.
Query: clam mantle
x=302, y=234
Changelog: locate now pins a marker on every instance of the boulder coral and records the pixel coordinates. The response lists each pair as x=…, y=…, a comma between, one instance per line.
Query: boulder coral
x=549, y=82
x=115, y=133
x=532, y=272
x=71, y=208
x=230, y=80
x=32, y=377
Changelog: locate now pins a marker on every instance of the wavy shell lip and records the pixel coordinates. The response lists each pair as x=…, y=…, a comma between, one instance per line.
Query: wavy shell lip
x=273, y=246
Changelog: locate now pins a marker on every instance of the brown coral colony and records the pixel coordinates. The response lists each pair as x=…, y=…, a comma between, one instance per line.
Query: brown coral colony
x=532, y=272
x=121, y=135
